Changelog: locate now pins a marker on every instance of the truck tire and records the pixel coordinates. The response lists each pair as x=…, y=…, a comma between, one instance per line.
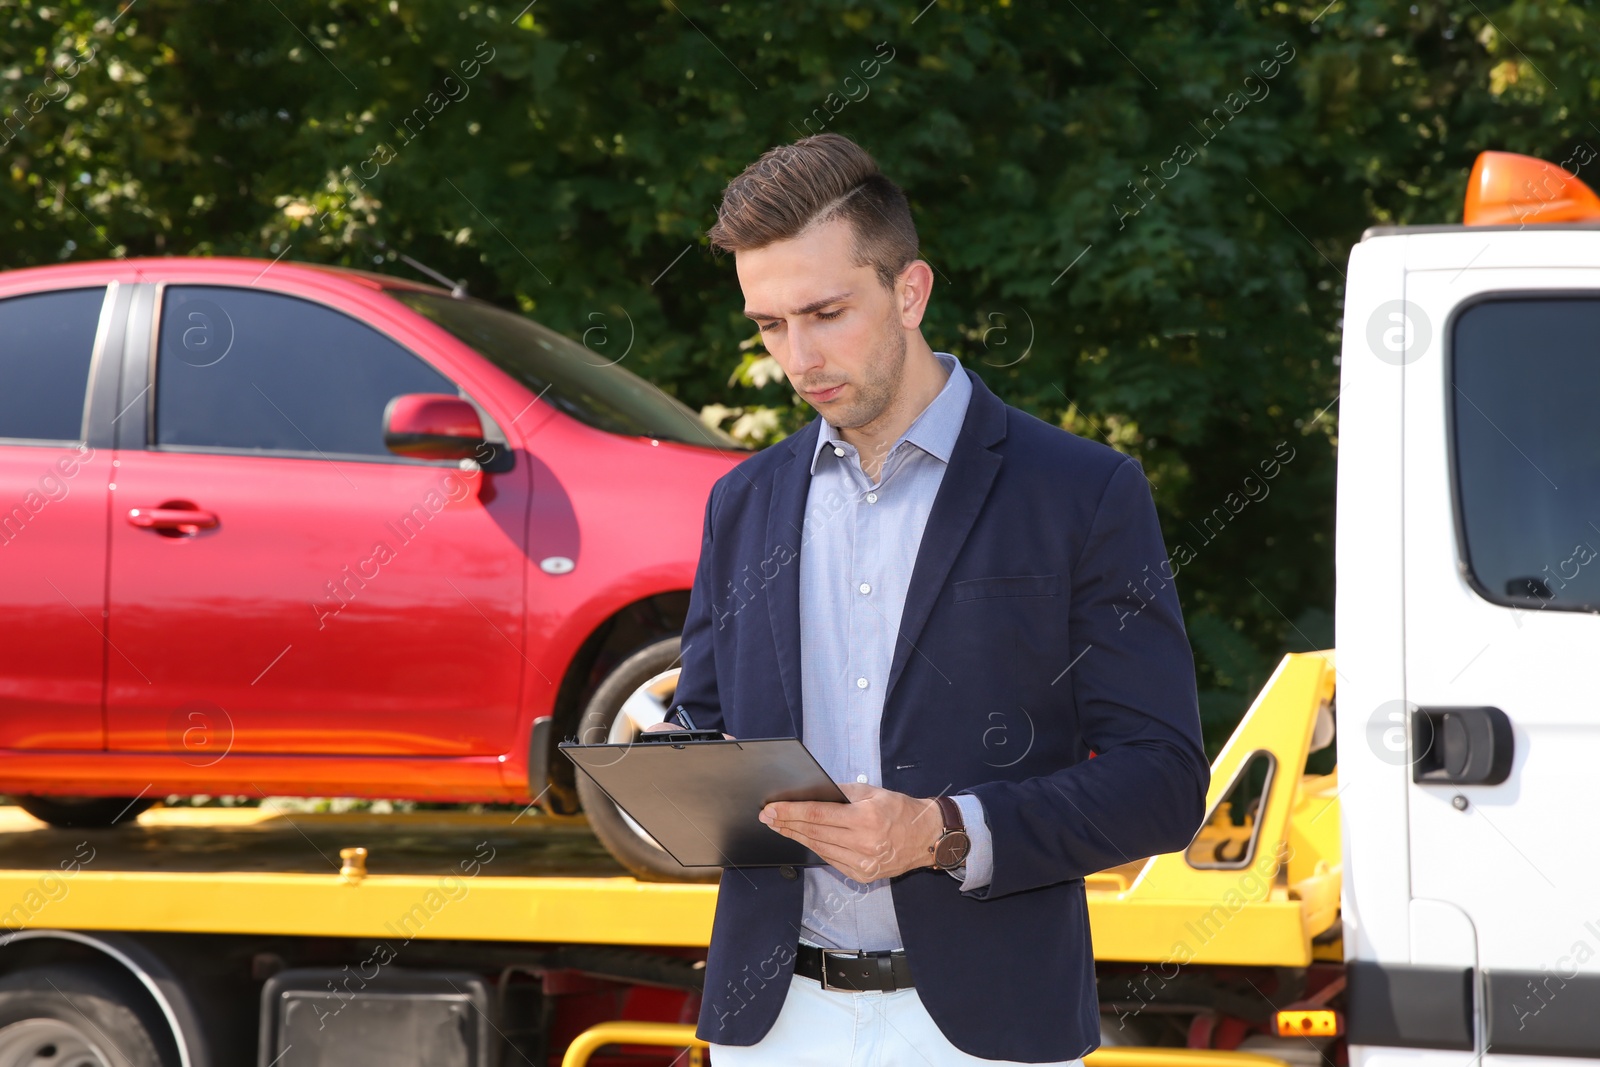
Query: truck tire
x=84, y=813
x=71, y=1015
x=643, y=684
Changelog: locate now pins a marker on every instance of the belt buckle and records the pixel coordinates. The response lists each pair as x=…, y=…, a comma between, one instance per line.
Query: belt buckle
x=858, y=954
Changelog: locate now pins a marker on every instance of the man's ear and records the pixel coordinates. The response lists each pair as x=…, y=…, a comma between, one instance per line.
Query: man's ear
x=912, y=290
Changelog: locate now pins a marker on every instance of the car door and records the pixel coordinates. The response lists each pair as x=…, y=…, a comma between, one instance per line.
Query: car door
x=52, y=520
x=1502, y=622
x=330, y=597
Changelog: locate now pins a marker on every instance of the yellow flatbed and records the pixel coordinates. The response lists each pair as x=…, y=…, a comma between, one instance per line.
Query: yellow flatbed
x=539, y=878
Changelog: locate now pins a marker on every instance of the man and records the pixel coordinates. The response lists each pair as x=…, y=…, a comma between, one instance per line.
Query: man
x=953, y=604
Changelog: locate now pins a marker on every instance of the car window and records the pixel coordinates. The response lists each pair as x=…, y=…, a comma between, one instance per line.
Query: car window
x=566, y=375
x=1525, y=390
x=46, y=343
x=265, y=372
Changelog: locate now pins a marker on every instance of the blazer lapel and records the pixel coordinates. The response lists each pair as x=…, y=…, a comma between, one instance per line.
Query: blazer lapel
x=967, y=479
x=785, y=529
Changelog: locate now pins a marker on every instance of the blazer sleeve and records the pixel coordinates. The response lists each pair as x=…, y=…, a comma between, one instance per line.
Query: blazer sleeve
x=1133, y=684
x=697, y=674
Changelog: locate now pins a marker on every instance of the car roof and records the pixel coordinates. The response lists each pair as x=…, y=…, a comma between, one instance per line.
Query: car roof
x=155, y=268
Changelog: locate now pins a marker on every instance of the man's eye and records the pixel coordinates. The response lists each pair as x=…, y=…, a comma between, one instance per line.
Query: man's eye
x=826, y=315
x=765, y=326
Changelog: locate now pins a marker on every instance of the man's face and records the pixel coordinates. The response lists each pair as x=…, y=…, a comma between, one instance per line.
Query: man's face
x=838, y=334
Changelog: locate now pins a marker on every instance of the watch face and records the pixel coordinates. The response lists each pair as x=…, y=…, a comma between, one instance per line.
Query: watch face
x=952, y=849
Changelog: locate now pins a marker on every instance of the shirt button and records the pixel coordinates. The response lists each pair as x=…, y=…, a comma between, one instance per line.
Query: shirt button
x=865, y=588
x=861, y=683
x=861, y=778
x=838, y=451
x=872, y=498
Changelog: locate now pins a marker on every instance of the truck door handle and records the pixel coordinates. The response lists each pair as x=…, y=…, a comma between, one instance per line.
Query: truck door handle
x=1460, y=746
x=180, y=520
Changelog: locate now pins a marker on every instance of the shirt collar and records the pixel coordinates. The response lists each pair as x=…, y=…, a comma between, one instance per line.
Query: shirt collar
x=935, y=428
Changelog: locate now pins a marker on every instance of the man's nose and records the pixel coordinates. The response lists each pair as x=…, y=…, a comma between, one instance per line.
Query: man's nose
x=804, y=356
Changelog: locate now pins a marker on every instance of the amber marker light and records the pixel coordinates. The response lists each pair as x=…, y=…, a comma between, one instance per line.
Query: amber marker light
x=1318, y=1022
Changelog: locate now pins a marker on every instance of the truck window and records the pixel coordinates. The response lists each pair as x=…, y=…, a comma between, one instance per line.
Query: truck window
x=46, y=342
x=1525, y=393
x=246, y=370
x=565, y=374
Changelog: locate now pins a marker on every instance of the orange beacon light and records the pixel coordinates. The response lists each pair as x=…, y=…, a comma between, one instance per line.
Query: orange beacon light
x=1506, y=188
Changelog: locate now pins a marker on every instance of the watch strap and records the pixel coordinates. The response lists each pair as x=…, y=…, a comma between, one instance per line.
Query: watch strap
x=954, y=826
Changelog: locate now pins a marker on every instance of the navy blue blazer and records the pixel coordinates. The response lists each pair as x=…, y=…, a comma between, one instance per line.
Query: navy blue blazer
x=1041, y=623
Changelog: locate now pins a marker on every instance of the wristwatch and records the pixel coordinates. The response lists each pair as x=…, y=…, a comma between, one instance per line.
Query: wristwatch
x=953, y=845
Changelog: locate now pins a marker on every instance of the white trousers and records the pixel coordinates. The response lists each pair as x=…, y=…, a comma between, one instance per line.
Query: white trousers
x=831, y=1028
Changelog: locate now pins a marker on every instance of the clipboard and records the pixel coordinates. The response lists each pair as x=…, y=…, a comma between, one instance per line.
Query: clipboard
x=699, y=799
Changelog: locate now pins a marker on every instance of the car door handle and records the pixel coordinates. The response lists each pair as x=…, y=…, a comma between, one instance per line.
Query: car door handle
x=1461, y=746
x=182, y=520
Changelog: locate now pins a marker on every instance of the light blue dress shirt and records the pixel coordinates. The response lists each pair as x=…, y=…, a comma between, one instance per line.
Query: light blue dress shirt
x=859, y=545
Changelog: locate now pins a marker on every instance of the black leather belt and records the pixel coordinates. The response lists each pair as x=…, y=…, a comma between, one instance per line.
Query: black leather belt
x=853, y=971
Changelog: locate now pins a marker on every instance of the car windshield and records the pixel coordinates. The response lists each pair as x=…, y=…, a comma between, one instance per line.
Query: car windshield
x=565, y=374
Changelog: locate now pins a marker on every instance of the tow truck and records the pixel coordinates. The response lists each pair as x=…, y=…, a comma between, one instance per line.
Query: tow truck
x=1420, y=903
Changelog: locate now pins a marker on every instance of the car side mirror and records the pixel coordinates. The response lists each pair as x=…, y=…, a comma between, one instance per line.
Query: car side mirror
x=432, y=426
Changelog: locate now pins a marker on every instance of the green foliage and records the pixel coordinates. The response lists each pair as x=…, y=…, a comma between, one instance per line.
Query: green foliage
x=1111, y=251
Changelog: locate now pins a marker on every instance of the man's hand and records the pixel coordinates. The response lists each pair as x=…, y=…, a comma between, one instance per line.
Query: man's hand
x=879, y=834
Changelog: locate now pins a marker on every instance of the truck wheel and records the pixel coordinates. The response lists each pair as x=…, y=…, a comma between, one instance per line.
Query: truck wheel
x=67, y=1015
x=634, y=695
x=83, y=813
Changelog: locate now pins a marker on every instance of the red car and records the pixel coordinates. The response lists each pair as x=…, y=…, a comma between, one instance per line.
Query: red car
x=269, y=528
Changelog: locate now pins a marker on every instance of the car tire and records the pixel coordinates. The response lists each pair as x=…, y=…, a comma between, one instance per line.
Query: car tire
x=72, y=1013
x=84, y=813
x=643, y=683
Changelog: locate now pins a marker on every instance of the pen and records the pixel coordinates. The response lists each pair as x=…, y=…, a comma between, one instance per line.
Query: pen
x=683, y=717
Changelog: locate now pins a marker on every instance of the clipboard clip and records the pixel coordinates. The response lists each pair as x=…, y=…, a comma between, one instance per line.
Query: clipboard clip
x=688, y=733
x=678, y=737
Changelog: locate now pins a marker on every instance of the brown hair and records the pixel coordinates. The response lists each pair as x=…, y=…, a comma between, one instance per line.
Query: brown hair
x=812, y=181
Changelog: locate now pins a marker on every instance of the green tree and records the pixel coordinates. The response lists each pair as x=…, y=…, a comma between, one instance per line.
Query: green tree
x=1138, y=215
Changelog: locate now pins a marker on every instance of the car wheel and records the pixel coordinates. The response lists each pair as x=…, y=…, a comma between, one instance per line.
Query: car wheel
x=84, y=813
x=67, y=1015
x=636, y=694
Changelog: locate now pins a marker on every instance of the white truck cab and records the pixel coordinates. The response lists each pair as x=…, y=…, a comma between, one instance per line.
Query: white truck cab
x=1468, y=629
